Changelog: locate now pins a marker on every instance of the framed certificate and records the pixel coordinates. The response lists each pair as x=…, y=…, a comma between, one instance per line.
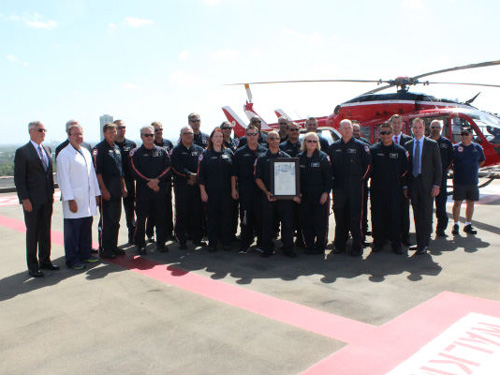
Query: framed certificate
x=285, y=178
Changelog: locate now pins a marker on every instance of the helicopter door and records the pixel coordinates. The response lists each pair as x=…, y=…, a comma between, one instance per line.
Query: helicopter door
x=456, y=126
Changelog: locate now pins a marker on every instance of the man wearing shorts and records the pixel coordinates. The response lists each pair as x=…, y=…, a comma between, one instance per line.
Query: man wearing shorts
x=468, y=157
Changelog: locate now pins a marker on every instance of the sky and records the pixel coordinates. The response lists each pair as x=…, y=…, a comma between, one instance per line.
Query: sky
x=159, y=60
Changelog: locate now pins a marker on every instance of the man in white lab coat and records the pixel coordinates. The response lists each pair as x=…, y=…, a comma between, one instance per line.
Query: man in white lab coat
x=80, y=194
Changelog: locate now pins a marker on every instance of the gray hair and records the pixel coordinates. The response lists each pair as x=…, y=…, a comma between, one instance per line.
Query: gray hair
x=77, y=126
x=69, y=123
x=33, y=124
x=146, y=127
x=345, y=122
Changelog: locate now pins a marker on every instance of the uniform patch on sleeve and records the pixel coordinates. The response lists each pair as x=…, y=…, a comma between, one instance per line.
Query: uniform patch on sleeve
x=367, y=149
x=200, y=158
x=94, y=152
x=131, y=153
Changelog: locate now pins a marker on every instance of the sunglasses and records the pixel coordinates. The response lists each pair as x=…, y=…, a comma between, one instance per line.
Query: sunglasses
x=256, y=122
x=251, y=134
x=121, y=127
x=385, y=133
x=195, y=120
x=312, y=141
x=188, y=133
x=41, y=130
x=148, y=135
x=293, y=130
x=272, y=138
x=435, y=127
x=226, y=127
x=465, y=134
x=158, y=130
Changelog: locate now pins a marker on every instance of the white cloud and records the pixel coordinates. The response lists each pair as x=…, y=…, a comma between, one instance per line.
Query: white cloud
x=413, y=4
x=184, y=79
x=38, y=21
x=224, y=54
x=184, y=55
x=137, y=22
x=112, y=25
x=130, y=86
x=15, y=60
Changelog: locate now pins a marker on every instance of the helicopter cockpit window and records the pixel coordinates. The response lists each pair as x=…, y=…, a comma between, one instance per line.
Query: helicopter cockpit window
x=489, y=125
x=457, y=124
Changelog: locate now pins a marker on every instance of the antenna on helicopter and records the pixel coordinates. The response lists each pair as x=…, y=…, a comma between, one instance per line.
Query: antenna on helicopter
x=468, y=102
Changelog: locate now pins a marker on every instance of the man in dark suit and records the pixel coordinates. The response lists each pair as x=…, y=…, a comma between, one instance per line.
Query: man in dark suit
x=35, y=189
x=424, y=182
x=400, y=138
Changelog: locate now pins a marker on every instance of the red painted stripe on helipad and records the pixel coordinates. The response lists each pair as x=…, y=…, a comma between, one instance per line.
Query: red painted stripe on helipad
x=317, y=321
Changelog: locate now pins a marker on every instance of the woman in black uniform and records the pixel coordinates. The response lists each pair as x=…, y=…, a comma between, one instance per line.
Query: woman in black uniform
x=315, y=186
x=215, y=169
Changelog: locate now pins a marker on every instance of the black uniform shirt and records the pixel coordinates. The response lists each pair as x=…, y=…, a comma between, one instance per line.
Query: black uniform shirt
x=232, y=144
x=215, y=169
x=108, y=163
x=350, y=163
x=244, y=166
x=315, y=174
x=201, y=139
x=125, y=147
x=185, y=162
x=148, y=164
x=290, y=148
x=263, y=166
x=446, y=150
x=390, y=165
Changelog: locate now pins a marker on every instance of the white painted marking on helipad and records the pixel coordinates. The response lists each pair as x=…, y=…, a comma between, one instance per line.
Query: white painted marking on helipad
x=469, y=346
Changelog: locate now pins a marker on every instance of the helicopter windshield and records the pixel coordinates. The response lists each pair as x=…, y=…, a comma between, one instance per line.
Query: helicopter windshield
x=488, y=124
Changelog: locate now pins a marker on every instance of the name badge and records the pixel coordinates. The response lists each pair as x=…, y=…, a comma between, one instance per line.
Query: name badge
x=351, y=150
x=314, y=165
x=393, y=155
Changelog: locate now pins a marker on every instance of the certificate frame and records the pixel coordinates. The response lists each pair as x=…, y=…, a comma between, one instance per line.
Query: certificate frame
x=285, y=178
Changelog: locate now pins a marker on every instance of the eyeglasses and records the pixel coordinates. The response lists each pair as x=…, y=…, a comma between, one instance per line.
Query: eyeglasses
x=158, y=130
x=464, y=134
x=121, y=127
x=273, y=138
x=148, y=135
x=293, y=129
x=41, y=130
x=226, y=127
x=195, y=120
x=311, y=141
x=251, y=134
x=385, y=132
x=188, y=133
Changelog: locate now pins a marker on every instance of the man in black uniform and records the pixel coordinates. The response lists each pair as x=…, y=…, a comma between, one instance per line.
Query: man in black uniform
x=400, y=138
x=126, y=145
x=255, y=121
x=244, y=188
x=292, y=147
x=446, y=150
x=283, y=130
x=312, y=127
x=188, y=206
x=66, y=142
x=151, y=168
x=389, y=168
x=356, y=133
x=109, y=170
x=200, y=138
x=168, y=146
x=270, y=205
x=350, y=160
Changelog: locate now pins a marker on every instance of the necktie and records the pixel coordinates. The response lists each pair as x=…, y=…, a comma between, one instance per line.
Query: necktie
x=416, y=159
x=42, y=157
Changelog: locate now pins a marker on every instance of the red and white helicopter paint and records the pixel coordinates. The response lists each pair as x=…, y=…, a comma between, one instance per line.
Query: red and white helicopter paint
x=372, y=109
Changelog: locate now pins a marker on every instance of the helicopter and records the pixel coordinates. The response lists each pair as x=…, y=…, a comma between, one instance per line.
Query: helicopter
x=373, y=108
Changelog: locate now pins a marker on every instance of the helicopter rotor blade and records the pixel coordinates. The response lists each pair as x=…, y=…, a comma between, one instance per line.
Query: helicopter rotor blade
x=460, y=83
x=308, y=81
x=378, y=89
x=463, y=67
